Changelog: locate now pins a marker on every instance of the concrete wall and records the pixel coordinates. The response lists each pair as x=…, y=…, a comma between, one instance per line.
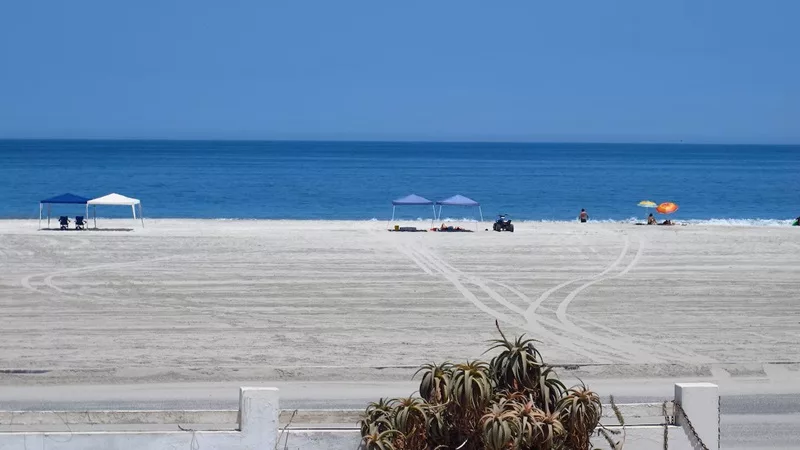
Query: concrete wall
x=262, y=423
x=258, y=416
x=637, y=438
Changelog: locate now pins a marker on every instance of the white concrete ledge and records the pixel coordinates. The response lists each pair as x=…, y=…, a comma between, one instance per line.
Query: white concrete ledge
x=255, y=426
x=636, y=438
x=258, y=413
x=700, y=403
x=635, y=414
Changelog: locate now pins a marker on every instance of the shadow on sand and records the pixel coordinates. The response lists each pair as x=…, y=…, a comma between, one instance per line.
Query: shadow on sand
x=87, y=229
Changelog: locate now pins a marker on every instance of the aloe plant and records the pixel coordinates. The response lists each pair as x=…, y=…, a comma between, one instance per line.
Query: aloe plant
x=519, y=364
x=438, y=428
x=500, y=427
x=515, y=402
x=527, y=415
x=548, y=390
x=435, y=384
x=472, y=385
x=378, y=414
x=375, y=440
x=410, y=419
x=580, y=411
x=548, y=431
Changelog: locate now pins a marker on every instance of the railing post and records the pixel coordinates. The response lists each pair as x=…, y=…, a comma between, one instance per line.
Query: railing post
x=700, y=403
x=258, y=416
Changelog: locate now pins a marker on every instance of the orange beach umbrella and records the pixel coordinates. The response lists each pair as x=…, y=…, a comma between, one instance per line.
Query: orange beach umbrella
x=667, y=208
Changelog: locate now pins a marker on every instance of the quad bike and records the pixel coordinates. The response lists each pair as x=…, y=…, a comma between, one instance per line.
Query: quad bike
x=503, y=223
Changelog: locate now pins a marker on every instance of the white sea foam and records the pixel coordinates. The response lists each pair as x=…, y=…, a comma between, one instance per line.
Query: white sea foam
x=744, y=222
x=727, y=222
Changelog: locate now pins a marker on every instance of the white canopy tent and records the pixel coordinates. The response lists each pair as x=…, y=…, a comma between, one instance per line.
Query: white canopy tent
x=115, y=200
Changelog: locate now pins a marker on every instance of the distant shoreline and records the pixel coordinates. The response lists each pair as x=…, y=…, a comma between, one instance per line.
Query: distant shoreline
x=679, y=143
x=10, y=223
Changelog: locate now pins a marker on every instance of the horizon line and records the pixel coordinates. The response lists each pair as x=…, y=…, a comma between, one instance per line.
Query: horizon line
x=404, y=141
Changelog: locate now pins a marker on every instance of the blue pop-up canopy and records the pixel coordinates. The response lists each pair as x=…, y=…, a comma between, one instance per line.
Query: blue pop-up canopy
x=459, y=200
x=412, y=200
x=68, y=199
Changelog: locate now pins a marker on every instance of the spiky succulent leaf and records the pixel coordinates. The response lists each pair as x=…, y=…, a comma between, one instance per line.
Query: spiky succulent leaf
x=499, y=427
x=471, y=386
x=580, y=411
x=519, y=363
x=435, y=382
x=438, y=428
x=376, y=440
x=409, y=416
x=549, y=390
x=378, y=414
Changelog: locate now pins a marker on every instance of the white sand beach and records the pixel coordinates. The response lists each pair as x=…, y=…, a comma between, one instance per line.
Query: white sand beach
x=215, y=300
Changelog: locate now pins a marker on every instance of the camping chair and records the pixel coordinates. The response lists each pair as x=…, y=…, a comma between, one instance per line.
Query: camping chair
x=64, y=222
x=79, y=223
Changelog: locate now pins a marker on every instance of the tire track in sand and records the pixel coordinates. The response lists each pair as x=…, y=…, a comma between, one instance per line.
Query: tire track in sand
x=662, y=352
x=596, y=350
x=422, y=266
x=454, y=276
x=48, y=276
x=597, y=353
x=623, y=345
x=619, y=347
x=639, y=353
x=626, y=343
x=424, y=257
x=530, y=313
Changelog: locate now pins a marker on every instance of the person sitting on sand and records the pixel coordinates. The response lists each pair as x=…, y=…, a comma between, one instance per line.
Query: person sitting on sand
x=667, y=222
x=583, y=216
x=651, y=220
x=796, y=222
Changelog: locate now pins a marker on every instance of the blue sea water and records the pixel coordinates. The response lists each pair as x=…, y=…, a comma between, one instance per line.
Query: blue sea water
x=357, y=180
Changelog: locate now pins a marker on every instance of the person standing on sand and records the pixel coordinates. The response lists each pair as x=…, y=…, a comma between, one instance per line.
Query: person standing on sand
x=583, y=216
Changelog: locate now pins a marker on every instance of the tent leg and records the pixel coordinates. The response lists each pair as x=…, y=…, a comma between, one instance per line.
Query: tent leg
x=40, y=216
x=434, y=215
x=481, y=212
x=141, y=216
x=48, y=215
x=94, y=210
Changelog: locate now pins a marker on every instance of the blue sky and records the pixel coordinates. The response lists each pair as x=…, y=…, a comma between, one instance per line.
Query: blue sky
x=626, y=70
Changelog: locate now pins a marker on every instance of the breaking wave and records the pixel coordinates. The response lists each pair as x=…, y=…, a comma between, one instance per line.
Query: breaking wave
x=725, y=222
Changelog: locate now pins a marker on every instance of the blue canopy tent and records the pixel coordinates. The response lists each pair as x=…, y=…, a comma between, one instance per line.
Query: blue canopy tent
x=459, y=200
x=63, y=199
x=412, y=200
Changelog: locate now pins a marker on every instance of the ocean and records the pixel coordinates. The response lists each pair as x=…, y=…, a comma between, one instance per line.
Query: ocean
x=726, y=184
